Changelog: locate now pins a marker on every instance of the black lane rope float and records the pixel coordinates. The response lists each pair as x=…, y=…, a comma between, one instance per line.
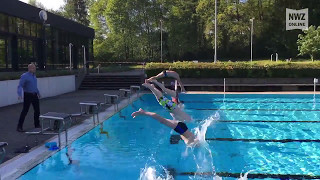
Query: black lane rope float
x=263, y=140
x=258, y=176
x=215, y=109
x=253, y=102
x=258, y=121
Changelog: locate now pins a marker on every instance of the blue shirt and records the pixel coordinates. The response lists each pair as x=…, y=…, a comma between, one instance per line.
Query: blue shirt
x=28, y=82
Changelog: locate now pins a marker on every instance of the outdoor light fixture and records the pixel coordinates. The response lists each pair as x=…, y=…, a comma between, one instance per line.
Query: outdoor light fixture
x=44, y=17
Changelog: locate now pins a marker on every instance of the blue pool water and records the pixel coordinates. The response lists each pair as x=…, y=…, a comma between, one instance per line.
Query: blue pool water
x=273, y=135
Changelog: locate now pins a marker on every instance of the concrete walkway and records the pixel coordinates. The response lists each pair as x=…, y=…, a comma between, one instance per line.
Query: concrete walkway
x=67, y=103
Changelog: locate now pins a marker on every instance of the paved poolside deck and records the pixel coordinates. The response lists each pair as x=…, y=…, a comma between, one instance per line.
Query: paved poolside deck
x=67, y=103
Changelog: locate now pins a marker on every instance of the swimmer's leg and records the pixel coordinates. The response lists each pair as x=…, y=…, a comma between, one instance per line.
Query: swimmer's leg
x=170, y=123
x=158, y=94
x=158, y=76
x=164, y=89
x=176, y=76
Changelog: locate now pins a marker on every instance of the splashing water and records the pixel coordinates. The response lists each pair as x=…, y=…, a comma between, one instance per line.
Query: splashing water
x=150, y=173
x=201, y=133
x=245, y=176
x=154, y=171
x=202, y=155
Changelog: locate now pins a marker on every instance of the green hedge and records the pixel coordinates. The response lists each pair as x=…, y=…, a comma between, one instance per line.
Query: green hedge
x=16, y=75
x=256, y=69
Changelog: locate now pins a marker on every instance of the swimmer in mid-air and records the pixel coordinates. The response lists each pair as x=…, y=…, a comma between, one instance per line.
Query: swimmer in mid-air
x=180, y=127
x=171, y=106
x=171, y=92
x=168, y=73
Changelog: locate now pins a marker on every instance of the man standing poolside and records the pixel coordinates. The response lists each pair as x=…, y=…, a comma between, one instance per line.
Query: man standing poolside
x=28, y=83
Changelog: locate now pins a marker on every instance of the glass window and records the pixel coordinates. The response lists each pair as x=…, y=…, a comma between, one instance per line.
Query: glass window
x=12, y=25
x=3, y=23
x=48, y=32
x=19, y=26
x=23, y=53
x=33, y=30
x=49, y=52
x=27, y=28
x=39, y=31
x=2, y=53
x=30, y=49
x=34, y=49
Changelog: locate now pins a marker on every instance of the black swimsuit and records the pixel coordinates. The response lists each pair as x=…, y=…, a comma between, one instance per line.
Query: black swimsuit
x=181, y=128
x=165, y=73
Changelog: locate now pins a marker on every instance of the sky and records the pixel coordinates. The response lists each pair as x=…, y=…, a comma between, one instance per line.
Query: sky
x=49, y=4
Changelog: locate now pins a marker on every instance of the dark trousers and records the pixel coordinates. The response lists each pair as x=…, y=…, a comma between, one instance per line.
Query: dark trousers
x=30, y=98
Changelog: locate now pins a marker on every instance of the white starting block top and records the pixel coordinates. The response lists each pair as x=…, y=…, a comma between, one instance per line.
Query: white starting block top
x=126, y=90
x=56, y=116
x=3, y=144
x=111, y=95
x=135, y=87
x=90, y=103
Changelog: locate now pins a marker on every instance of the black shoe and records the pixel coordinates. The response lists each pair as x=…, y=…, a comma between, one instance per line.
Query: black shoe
x=19, y=129
x=37, y=126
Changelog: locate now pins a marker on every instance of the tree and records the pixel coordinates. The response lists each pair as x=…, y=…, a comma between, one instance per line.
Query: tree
x=77, y=10
x=309, y=43
x=130, y=30
x=37, y=4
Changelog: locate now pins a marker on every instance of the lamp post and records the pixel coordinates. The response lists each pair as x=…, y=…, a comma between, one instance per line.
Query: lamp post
x=70, y=55
x=43, y=17
x=251, y=35
x=161, y=21
x=215, y=31
x=84, y=59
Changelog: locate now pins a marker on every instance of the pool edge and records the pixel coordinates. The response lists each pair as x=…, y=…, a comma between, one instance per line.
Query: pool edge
x=19, y=165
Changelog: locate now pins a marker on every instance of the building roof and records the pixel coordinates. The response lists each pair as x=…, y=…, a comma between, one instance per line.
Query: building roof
x=25, y=11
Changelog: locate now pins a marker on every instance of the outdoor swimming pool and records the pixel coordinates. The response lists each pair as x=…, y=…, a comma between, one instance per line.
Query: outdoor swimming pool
x=276, y=136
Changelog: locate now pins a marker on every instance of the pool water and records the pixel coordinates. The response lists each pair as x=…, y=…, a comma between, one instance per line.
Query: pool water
x=276, y=136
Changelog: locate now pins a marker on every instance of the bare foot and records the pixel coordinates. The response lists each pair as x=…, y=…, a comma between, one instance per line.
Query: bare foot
x=138, y=113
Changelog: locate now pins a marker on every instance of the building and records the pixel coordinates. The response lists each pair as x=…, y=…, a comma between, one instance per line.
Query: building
x=22, y=39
